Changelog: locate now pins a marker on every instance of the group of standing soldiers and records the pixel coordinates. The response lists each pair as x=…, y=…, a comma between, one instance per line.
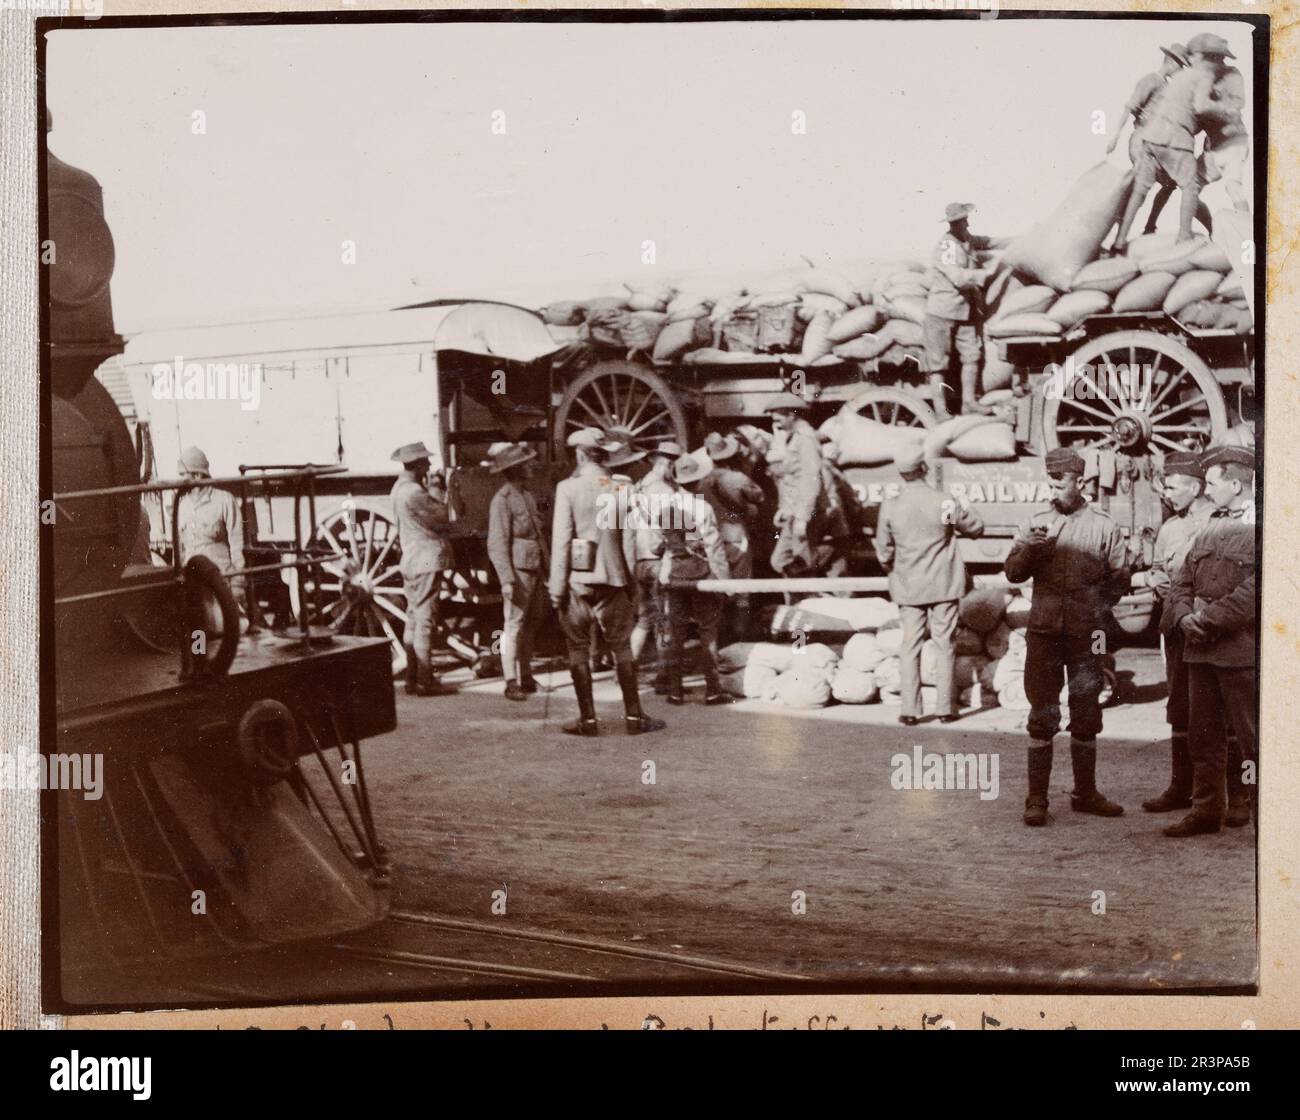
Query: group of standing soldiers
x=1204, y=575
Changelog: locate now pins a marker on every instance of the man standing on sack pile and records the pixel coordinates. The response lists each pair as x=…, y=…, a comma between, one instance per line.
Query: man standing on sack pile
x=735, y=500
x=952, y=309
x=1170, y=125
x=423, y=523
x=1078, y=560
x=517, y=548
x=806, y=512
x=1184, y=479
x=591, y=584
x=1212, y=604
x=693, y=550
x=916, y=543
x=1218, y=104
x=1145, y=93
x=652, y=494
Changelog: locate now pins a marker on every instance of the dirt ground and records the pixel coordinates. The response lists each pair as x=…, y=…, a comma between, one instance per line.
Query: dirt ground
x=901, y=888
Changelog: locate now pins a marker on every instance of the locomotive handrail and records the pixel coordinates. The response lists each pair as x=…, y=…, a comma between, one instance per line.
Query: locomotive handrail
x=303, y=558
x=267, y=475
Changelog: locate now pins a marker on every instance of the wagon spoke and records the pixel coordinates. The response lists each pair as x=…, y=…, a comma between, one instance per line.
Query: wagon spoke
x=600, y=420
x=1169, y=385
x=380, y=601
x=370, y=540
x=1090, y=410
x=640, y=409
x=1198, y=399
x=384, y=576
x=1157, y=438
x=379, y=561
x=333, y=541
x=388, y=629
x=595, y=386
x=653, y=419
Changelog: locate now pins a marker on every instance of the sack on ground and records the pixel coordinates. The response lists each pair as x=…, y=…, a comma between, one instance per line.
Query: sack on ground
x=997, y=642
x=861, y=653
x=854, y=686
x=981, y=610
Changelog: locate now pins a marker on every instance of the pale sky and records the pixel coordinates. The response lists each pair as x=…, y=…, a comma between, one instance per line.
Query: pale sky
x=615, y=134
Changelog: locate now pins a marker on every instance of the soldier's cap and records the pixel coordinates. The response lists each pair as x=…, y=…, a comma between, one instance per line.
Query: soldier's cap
x=1061, y=460
x=1178, y=53
x=1240, y=457
x=669, y=449
x=955, y=211
x=1209, y=44
x=412, y=452
x=690, y=469
x=909, y=458
x=786, y=402
x=719, y=447
x=193, y=460
x=625, y=456
x=511, y=455
x=592, y=438
x=1184, y=462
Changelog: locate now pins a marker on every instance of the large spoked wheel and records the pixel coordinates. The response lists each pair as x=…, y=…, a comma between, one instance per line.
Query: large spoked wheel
x=628, y=402
x=896, y=407
x=1134, y=391
x=358, y=590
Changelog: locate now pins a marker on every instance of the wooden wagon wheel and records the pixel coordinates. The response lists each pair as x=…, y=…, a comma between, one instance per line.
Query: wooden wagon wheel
x=1132, y=391
x=358, y=588
x=627, y=401
x=894, y=407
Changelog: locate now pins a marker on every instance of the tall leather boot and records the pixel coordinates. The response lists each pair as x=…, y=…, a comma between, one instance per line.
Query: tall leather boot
x=1179, y=793
x=1085, y=798
x=713, y=694
x=412, y=671
x=634, y=719
x=970, y=405
x=586, y=723
x=1240, y=795
x=938, y=392
x=429, y=685
x=1040, y=777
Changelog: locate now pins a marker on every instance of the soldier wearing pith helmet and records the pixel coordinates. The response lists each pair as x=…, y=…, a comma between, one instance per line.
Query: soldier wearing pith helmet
x=1078, y=560
x=1212, y=604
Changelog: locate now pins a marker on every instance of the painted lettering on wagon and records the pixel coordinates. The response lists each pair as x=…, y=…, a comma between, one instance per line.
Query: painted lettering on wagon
x=1036, y=492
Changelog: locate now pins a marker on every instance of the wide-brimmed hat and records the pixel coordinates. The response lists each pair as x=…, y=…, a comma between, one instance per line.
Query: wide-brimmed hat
x=411, y=452
x=1209, y=44
x=195, y=462
x=719, y=447
x=625, y=456
x=689, y=468
x=784, y=402
x=1178, y=52
x=669, y=449
x=955, y=211
x=510, y=456
x=592, y=438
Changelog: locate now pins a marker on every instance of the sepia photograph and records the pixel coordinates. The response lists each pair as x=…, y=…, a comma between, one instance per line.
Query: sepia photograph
x=701, y=503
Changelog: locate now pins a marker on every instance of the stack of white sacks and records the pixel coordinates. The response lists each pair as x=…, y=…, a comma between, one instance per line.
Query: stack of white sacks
x=864, y=669
x=824, y=315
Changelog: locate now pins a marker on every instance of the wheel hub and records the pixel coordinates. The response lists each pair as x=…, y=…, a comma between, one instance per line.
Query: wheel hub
x=1131, y=429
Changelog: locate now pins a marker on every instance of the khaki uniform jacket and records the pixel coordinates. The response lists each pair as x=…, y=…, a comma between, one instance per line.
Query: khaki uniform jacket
x=1078, y=575
x=955, y=276
x=422, y=525
x=516, y=537
x=916, y=543
x=1217, y=582
x=210, y=525
x=694, y=546
x=1173, y=541
x=587, y=507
